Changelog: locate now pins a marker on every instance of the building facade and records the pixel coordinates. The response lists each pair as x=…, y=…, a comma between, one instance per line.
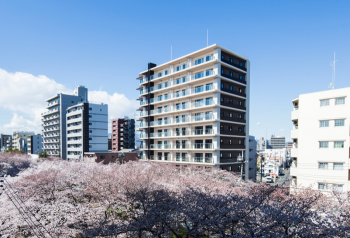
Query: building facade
x=278, y=142
x=20, y=140
x=195, y=110
x=87, y=129
x=320, y=136
x=5, y=142
x=253, y=156
x=123, y=134
x=262, y=144
x=54, y=120
x=35, y=144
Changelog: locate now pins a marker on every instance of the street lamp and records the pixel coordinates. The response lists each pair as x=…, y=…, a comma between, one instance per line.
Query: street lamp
x=240, y=159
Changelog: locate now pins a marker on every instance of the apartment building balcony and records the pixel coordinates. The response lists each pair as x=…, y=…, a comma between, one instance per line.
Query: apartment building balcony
x=294, y=169
x=51, y=135
x=231, y=161
x=177, y=121
x=51, y=129
x=294, y=133
x=51, y=123
x=190, y=78
x=50, y=118
x=52, y=104
x=241, y=81
x=52, y=111
x=52, y=141
x=185, y=67
x=50, y=147
x=74, y=127
x=295, y=115
x=294, y=152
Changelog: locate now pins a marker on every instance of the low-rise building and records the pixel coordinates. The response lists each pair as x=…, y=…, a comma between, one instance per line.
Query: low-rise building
x=35, y=143
x=20, y=140
x=278, y=142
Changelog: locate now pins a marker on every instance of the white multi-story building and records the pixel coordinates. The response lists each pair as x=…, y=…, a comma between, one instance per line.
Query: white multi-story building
x=195, y=110
x=87, y=129
x=320, y=134
x=20, y=140
x=54, y=120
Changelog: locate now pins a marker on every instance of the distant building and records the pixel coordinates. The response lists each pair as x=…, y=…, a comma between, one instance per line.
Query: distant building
x=289, y=145
x=123, y=134
x=110, y=143
x=5, y=142
x=35, y=143
x=54, y=120
x=252, y=158
x=278, y=142
x=321, y=140
x=20, y=140
x=87, y=129
x=262, y=144
x=111, y=157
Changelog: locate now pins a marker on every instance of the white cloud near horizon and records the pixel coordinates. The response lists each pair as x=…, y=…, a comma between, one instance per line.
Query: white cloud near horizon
x=258, y=124
x=25, y=96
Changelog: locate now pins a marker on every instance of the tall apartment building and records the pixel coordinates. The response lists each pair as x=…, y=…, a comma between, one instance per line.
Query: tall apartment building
x=321, y=140
x=278, y=142
x=195, y=110
x=35, y=144
x=262, y=144
x=20, y=140
x=123, y=134
x=54, y=120
x=87, y=129
x=5, y=142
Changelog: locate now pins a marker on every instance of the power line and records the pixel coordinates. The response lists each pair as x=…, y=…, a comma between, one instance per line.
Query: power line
x=21, y=213
x=25, y=209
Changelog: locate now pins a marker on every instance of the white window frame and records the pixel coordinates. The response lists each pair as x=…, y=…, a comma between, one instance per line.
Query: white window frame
x=340, y=142
x=324, y=186
x=340, y=101
x=323, y=142
x=336, y=168
x=341, y=122
x=324, y=102
x=325, y=165
x=326, y=123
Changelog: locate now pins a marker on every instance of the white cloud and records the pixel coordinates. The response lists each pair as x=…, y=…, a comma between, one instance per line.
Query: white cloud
x=25, y=95
x=281, y=129
x=258, y=124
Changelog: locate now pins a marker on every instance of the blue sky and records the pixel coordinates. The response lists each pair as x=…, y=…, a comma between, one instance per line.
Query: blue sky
x=105, y=44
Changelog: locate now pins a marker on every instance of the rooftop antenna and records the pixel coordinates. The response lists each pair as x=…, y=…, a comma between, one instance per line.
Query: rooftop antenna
x=207, y=36
x=171, y=52
x=331, y=85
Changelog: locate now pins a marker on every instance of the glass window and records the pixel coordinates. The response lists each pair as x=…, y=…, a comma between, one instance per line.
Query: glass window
x=339, y=122
x=184, y=79
x=178, y=81
x=222, y=85
x=209, y=72
x=166, y=72
x=222, y=57
x=159, y=74
x=338, y=166
x=323, y=144
x=339, y=101
x=184, y=66
x=183, y=92
x=324, y=123
x=231, y=88
x=338, y=144
x=321, y=186
x=183, y=105
x=199, y=61
x=209, y=57
x=324, y=102
x=240, y=77
x=338, y=187
x=178, y=68
x=165, y=96
x=199, y=75
x=222, y=71
x=208, y=101
x=209, y=86
x=199, y=102
x=199, y=89
x=322, y=165
x=178, y=106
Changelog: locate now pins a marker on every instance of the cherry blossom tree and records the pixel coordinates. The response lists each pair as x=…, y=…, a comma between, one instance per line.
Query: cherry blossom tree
x=147, y=199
